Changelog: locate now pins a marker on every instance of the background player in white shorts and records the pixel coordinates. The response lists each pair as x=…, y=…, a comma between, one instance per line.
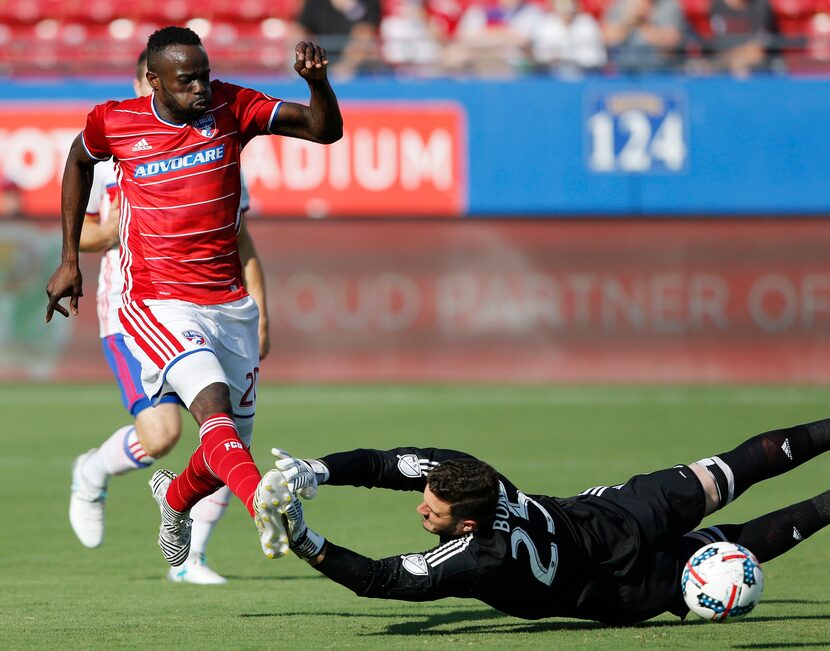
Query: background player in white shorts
x=156, y=430
x=186, y=314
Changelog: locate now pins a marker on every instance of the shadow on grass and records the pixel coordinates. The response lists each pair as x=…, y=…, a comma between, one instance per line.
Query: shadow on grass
x=784, y=645
x=241, y=577
x=274, y=577
x=796, y=601
x=492, y=622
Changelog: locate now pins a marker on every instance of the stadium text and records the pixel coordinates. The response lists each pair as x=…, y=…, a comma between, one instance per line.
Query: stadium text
x=392, y=155
x=668, y=303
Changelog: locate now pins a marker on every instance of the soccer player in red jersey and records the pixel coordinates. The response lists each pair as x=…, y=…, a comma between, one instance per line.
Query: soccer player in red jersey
x=187, y=316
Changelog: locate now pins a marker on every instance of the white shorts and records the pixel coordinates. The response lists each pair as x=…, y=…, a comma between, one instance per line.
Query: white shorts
x=206, y=344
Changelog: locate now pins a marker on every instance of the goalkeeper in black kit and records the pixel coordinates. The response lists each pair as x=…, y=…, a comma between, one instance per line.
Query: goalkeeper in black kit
x=612, y=554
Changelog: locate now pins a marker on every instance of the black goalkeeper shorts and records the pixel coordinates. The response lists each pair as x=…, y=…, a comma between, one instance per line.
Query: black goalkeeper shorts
x=633, y=539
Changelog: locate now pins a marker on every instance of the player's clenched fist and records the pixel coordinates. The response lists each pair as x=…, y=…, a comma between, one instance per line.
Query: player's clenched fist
x=311, y=60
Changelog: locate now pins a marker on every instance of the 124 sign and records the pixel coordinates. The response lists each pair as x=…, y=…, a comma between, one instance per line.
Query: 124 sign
x=636, y=132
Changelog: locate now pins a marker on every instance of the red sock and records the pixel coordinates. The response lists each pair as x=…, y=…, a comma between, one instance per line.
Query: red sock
x=229, y=459
x=195, y=482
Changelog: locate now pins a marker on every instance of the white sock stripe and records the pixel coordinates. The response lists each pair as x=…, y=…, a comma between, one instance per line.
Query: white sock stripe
x=730, y=479
x=215, y=422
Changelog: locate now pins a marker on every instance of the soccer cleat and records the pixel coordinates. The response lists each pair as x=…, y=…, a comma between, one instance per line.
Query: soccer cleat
x=271, y=499
x=195, y=570
x=86, y=505
x=174, y=531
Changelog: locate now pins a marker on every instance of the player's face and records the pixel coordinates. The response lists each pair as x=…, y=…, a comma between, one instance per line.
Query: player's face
x=182, y=81
x=437, y=518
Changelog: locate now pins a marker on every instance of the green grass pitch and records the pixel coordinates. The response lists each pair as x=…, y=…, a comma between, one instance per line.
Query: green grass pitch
x=56, y=594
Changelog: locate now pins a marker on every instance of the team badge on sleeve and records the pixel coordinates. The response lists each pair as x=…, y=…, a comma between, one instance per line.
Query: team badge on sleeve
x=415, y=564
x=206, y=125
x=194, y=337
x=409, y=465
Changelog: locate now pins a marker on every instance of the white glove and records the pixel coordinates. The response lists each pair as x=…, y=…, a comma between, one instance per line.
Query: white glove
x=304, y=542
x=302, y=476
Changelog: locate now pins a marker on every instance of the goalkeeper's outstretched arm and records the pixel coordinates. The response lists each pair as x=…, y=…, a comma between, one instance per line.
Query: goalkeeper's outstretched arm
x=410, y=577
x=403, y=469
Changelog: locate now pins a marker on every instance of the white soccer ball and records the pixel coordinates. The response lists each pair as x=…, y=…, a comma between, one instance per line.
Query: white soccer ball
x=722, y=581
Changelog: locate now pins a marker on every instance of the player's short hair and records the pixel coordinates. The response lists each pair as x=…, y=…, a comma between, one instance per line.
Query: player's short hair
x=163, y=38
x=469, y=485
x=141, y=65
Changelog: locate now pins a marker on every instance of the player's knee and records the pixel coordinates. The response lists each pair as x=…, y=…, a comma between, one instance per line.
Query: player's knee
x=710, y=486
x=158, y=429
x=213, y=399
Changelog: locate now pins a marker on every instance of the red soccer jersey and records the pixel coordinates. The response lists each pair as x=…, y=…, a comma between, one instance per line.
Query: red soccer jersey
x=179, y=191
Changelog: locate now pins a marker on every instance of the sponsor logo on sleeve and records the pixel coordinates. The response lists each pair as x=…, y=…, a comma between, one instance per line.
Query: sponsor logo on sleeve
x=415, y=564
x=409, y=466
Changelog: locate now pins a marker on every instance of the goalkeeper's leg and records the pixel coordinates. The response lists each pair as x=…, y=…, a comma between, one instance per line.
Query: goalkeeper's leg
x=763, y=456
x=772, y=534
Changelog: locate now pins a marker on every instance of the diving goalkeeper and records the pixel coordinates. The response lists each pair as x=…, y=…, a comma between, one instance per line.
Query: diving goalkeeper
x=613, y=553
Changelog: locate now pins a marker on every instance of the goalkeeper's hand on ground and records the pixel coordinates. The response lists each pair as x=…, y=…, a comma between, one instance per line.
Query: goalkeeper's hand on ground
x=303, y=476
x=304, y=542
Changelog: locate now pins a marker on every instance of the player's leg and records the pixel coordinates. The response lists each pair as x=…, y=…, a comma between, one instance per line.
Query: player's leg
x=772, y=534
x=222, y=457
x=159, y=429
x=205, y=515
x=762, y=457
x=194, y=370
x=129, y=448
x=209, y=380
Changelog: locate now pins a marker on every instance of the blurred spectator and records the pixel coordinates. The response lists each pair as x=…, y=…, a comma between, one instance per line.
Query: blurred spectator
x=567, y=40
x=410, y=40
x=644, y=35
x=818, y=37
x=347, y=29
x=743, y=35
x=444, y=16
x=493, y=37
x=10, y=203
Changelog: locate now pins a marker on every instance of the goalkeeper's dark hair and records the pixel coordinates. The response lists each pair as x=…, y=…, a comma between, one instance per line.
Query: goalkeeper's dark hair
x=163, y=38
x=469, y=485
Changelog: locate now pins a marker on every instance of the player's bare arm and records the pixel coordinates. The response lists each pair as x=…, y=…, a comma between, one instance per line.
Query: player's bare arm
x=254, y=283
x=77, y=184
x=320, y=121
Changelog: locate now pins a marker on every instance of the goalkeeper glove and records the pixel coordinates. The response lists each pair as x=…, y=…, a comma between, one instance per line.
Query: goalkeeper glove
x=304, y=542
x=303, y=476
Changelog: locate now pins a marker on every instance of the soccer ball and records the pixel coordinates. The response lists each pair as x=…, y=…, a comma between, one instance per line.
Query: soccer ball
x=722, y=581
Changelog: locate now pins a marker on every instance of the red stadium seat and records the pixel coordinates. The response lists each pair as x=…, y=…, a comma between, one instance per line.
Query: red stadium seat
x=697, y=15
x=595, y=7
x=793, y=16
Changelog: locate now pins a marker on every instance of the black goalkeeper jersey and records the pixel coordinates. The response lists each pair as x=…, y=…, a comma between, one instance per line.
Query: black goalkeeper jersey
x=534, y=561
